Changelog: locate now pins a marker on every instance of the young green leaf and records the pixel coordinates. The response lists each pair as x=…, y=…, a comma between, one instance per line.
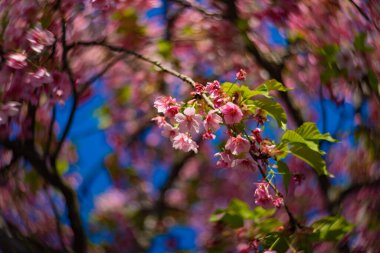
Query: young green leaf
x=331, y=228
x=311, y=157
x=286, y=175
x=274, y=109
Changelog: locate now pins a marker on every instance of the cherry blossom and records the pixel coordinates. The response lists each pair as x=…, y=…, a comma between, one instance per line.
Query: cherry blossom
x=189, y=121
x=278, y=202
x=232, y=113
x=39, y=39
x=169, y=131
x=40, y=77
x=17, y=60
x=241, y=75
x=208, y=135
x=237, y=145
x=262, y=195
x=183, y=142
x=225, y=159
x=167, y=106
x=212, y=121
x=244, y=163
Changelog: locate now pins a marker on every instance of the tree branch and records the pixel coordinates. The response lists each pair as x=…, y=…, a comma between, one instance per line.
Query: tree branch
x=42, y=168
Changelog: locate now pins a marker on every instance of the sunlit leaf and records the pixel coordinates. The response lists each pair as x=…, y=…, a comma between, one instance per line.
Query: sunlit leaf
x=274, y=109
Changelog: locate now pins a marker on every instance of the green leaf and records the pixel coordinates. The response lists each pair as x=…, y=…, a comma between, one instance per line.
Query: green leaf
x=123, y=94
x=286, y=175
x=292, y=137
x=329, y=53
x=230, y=88
x=283, y=147
x=62, y=166
x=33, y=180
x=217, y=215
x=233, y=220
x=247, y=93
x=274, y=109
x=240, y=207
x=331, y=228
x=360, y=42
x=269, y=225
x=276, y=241
x=309, y=131
x=258, y=213
x=237, y=211
x=311, y=157
x=304, y=144
x=373, y=81
x=272, y=85
x=104, y=117
x=164, y=48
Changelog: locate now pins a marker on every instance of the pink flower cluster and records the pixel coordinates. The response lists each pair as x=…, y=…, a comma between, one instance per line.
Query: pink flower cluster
x=263, y=196
x=182, y=123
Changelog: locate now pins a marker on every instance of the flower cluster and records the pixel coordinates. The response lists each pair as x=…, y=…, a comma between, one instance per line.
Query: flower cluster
x=264, y=197
x=184, y=123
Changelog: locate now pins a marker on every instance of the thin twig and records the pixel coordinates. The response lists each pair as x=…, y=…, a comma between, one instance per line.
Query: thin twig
x=84, y=86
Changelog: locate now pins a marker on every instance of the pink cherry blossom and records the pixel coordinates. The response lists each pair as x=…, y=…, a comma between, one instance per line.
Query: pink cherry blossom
x=183, y=142
x=189, y=121
x=160, y=121
x=225, y=159
x=268, y=148
x=111, y=200
x=17, y=60
x=262, y=195
x=166, y=105
x=212, y=121
x=278, y=202
x=256, y=134
x=241, y=75
x=237, y=145
x=169, y=131
x=40, y=77
x=208, y=136
x=231, y=113
x=244, y=163
x=39, y=39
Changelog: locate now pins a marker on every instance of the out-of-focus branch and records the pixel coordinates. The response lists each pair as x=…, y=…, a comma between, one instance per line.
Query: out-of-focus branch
x=66, y=67
x=145, y=59
x=354, y=188
x=57, y=220
x=42, y=168
x=199, y=8
x=173, y=175
x=84, y=86
x=13, y=241
x=364, y=15
x=50, y=132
